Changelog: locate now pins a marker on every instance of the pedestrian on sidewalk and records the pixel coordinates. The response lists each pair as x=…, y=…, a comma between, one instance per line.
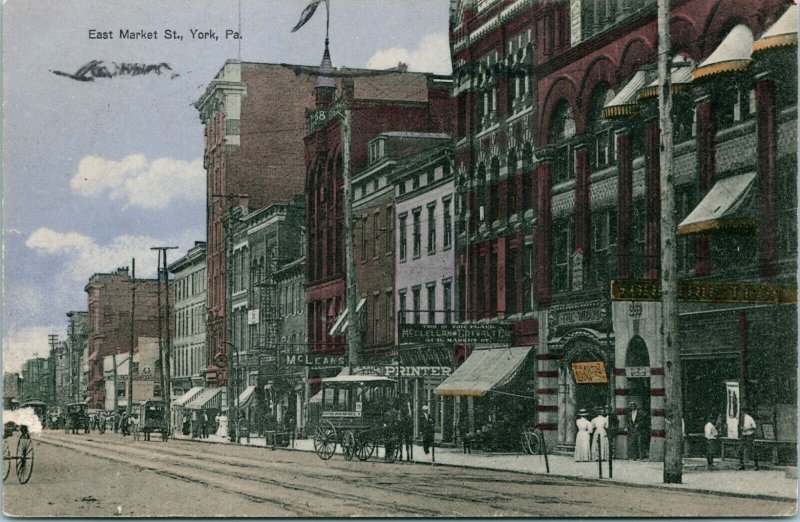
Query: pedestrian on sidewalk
x=583, y=438
x=204, y=425
x=600, y=437
x=407, y=430
x=711, y=434
x=636, y=422
x=135, y=427
x=427, y=429
x=747, y=428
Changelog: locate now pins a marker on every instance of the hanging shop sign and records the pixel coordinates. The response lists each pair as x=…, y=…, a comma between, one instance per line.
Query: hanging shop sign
x=637, y=371
x=590, y=372
x=318, y=361
x=404, y=371
x=252, y=316
x=468, y=333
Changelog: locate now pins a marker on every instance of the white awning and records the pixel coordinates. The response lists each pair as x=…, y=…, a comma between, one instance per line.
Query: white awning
x=483, y=371
x=732, y=55
x=208, y=398
x=782, y=33
x=340, y=324
x=625, y=102
x=245, y=396
x=680, y=78
x=186, y=397
x=725, y=207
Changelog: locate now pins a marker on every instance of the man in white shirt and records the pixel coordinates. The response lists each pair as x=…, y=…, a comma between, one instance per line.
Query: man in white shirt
x=711, y=435
x=747, y=429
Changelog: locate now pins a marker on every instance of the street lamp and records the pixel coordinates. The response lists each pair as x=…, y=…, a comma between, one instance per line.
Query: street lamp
x=233, y=388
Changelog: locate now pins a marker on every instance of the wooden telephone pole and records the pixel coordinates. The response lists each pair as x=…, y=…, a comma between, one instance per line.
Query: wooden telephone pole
x=353, y=319
x=673, y=442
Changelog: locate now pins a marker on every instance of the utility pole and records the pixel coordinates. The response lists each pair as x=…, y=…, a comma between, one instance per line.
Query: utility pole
x=71, y=351
x=673, y=443
x=52, y=339
x=133, y=336
x=164, y=352
x=354, y=322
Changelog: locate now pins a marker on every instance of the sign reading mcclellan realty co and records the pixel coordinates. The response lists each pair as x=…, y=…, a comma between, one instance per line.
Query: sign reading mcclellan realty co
x=467, y=333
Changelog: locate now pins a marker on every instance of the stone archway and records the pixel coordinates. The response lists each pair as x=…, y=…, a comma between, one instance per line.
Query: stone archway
x=573, y=396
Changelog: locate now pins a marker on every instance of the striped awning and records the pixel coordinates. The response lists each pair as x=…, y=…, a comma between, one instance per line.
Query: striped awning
x=625, y=102
x=483, y=371
x=207, y=398
x=186, y=397
x=340, y=325
x=732, y=55
x=246, y=396
x=680, y=78
x=725, y=207
x=782, y=33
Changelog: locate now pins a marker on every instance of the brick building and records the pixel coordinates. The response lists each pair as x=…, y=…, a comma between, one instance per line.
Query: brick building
x=403, y=102
x=109, y=321
x=78, y=349
x=37, y=381
x=587, y=186
x=189, y=298
x=254, y=126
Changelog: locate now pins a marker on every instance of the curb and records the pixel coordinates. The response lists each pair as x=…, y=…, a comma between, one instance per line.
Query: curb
x=616, y=482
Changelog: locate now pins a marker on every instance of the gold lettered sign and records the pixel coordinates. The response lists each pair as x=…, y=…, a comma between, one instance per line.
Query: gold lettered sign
x=590, y=372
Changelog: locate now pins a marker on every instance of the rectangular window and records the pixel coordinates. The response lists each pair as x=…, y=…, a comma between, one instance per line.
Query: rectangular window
x=389, y=316
x=527, y=279
x=363, y=237
x=431, y=228
x=415, y=182
x=431, y=302
x=417, y=233
x=447, y=300
x=376, y=318
x=561, y=248
x=447, y=233
x=403, y=306
x=416, y=302
x=375, y=233
x=402, y=239
x=387, y=231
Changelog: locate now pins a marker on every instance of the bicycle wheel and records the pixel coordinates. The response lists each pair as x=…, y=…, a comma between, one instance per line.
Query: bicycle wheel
x=525, y=442
x=348, y=445
x=6, y=460
x=534, y=443
x=24, y=458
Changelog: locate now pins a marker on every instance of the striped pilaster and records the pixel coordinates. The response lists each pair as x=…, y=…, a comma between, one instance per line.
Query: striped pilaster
x=547, y=392
x=620, y=408
x=658, y=405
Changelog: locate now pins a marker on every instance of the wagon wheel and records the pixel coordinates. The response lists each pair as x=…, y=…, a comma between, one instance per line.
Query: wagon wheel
x=348, y=445
x=526, y=442
x=365, y=447
x=24, y=458
x=325, y=440
x=6, y=460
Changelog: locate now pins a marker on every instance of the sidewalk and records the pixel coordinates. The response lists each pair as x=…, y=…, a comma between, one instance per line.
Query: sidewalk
x=769, y=483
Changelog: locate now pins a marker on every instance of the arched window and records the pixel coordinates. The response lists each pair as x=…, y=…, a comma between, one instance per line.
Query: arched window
x=494, y=193
x=561, y=132
x=603, y=152
x=481, y=188
x=528, y=178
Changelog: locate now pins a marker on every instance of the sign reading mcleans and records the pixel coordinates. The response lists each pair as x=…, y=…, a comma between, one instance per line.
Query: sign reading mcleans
x=307, y=359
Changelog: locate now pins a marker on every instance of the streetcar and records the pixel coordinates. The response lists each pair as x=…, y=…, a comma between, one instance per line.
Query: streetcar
x=358, y=414
x=151, y=418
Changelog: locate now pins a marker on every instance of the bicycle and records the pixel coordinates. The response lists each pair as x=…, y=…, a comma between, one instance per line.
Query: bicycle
x=532, y=441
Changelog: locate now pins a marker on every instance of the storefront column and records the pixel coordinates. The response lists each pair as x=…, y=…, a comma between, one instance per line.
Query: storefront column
x=571, y=406
x=543, y=229
x=547, y=392
x=621, y=408
x=625, y=201
x=706, y=167
x=583, y=201
x=658, y=421
x=767, y=149
x=652, y=184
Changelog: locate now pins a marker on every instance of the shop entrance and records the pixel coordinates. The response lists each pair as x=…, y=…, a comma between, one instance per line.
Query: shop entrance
x=574, y=396
x=637, y=364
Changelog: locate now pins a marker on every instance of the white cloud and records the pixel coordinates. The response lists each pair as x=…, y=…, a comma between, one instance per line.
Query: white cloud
x=151, y=185
x=84, y=256
x=432, y=55
x=21, y=345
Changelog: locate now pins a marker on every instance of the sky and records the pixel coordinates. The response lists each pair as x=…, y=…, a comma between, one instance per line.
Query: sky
x=96, y=172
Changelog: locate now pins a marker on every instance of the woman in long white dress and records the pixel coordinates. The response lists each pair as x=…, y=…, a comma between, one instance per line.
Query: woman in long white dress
x=600, y=437
x=222, y=429
x=583, y=437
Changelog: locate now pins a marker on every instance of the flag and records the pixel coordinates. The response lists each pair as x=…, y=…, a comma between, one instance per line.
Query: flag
x=307, y=13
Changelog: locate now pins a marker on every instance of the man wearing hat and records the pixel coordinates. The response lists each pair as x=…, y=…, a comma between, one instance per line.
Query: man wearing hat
x=583, y=438
x=636, y=422
x=426, y=428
